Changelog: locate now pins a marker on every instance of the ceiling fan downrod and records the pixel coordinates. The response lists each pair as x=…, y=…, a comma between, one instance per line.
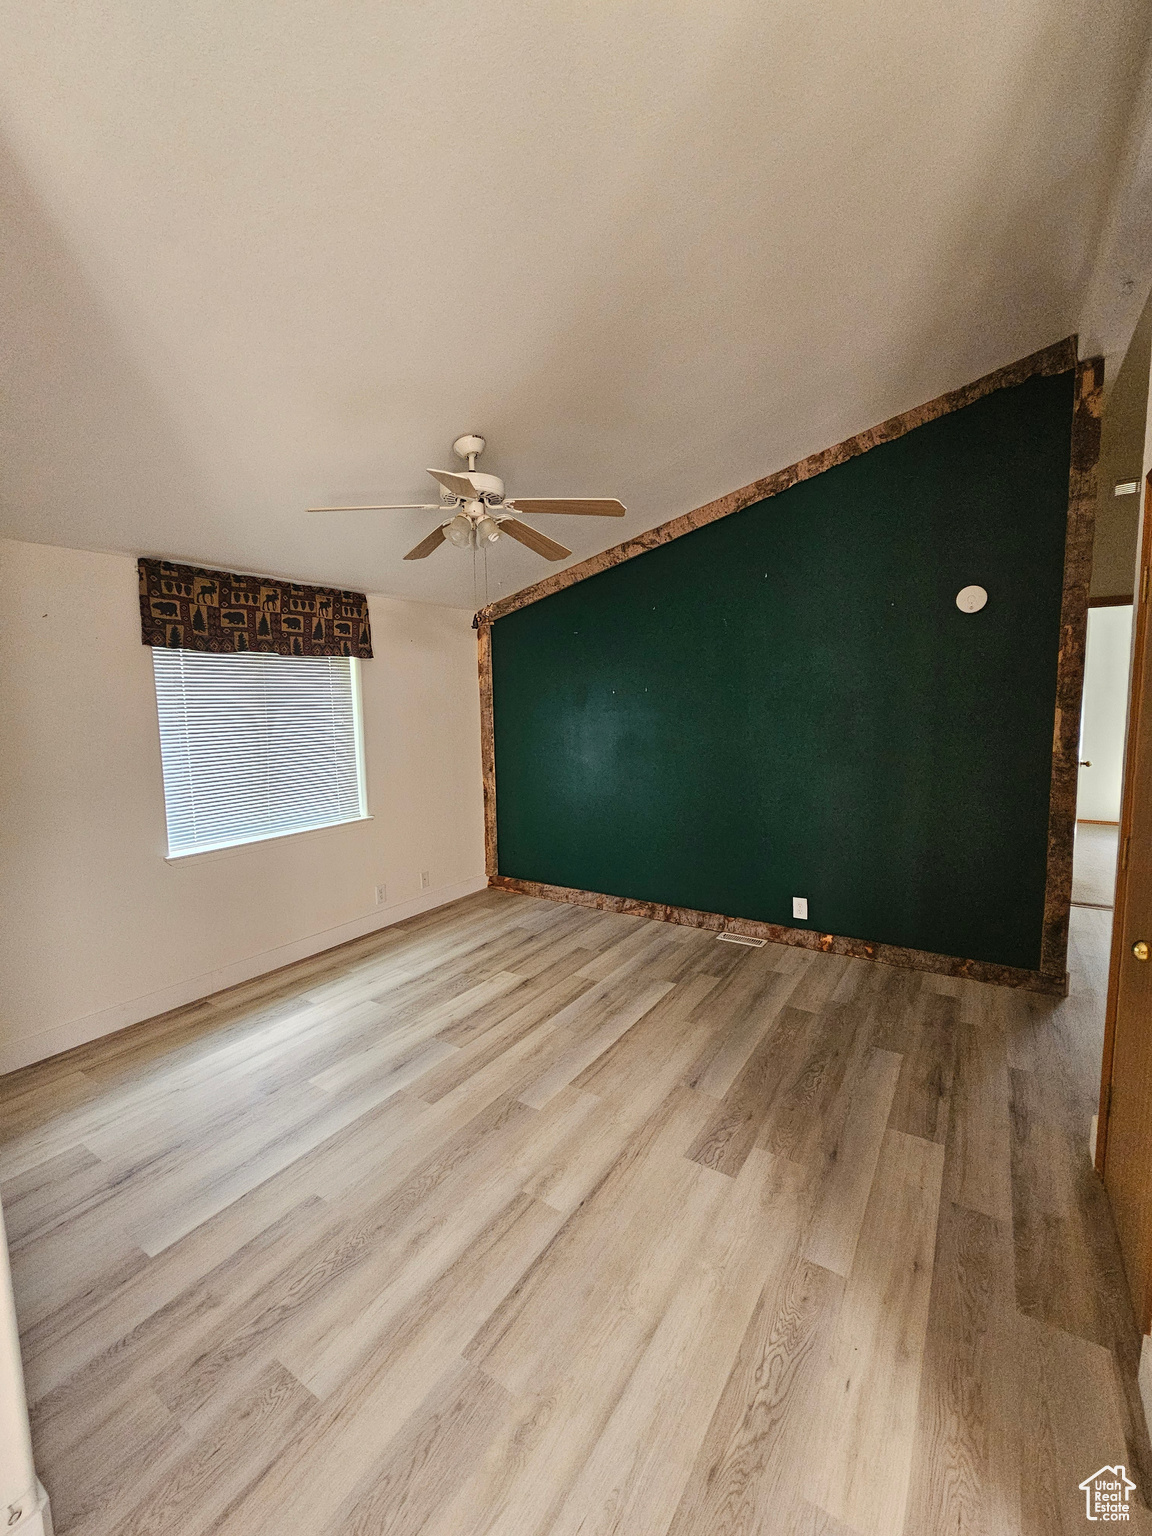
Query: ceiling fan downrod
x=469, y=447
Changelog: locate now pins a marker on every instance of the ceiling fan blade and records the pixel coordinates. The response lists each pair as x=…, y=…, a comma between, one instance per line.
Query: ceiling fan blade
x=426, y=546
x=388, y=506
x=459, y=485
x=536, y=541
x=573, y=506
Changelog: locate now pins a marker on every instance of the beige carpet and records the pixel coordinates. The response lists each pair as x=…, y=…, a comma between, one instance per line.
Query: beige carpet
x=1094, y=865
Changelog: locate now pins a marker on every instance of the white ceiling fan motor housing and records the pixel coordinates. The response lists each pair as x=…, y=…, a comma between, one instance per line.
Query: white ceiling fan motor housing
x=491, y=487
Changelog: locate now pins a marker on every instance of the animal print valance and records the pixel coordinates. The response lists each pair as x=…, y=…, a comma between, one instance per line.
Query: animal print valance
x=186, y=609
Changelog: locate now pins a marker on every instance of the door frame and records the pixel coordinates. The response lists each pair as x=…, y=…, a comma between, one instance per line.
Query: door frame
x=1139, y=683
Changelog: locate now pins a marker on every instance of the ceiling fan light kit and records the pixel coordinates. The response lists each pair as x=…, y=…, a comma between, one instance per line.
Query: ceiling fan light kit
x=459, y=531
x=481, y=511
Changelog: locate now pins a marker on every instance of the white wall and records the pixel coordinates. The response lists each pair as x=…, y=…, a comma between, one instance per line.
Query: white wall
x=1103, y=716
x=1121, y=453
x=97, y=929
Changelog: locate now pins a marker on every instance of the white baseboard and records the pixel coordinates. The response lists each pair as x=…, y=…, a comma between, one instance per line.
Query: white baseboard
x=30, y=1515
x=63, y=1037
x=35, y=1521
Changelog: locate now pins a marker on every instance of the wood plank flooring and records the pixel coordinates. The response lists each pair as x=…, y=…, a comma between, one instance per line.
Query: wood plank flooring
x=521, y=1218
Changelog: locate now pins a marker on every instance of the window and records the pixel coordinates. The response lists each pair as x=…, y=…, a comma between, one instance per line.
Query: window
x=255, y=746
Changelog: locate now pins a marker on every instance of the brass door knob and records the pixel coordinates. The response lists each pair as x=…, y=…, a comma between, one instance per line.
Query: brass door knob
x=1140, y=949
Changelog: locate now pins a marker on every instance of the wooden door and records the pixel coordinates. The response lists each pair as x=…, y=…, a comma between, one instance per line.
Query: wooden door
x=1124, y=1134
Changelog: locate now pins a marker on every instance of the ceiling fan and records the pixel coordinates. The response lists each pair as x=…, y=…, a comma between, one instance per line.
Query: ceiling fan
x=481, y=513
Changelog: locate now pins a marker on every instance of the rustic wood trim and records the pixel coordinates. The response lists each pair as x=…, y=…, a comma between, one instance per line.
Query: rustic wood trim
x=1058, y=358
x=1112, y=602
x=799, y=938
x=1087, y=408
x=487, y=746
x=1136, y=707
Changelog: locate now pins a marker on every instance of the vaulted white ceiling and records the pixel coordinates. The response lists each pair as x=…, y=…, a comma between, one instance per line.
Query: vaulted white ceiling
x=259, y=253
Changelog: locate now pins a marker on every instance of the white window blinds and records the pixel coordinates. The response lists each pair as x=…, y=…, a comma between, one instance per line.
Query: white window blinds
x=256, y=745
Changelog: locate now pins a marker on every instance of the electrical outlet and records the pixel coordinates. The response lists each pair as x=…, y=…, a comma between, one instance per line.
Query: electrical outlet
x=425, y=881
x=381, y=895
x=800, y=907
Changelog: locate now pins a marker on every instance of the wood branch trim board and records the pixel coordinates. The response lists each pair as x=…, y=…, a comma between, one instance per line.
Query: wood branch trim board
x=1058, y=358
x=487, y=749
x=1087, y=409
x=1051, y=977
x=801, y=938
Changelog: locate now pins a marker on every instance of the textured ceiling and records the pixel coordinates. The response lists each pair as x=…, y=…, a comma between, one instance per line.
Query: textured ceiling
x=260, y=253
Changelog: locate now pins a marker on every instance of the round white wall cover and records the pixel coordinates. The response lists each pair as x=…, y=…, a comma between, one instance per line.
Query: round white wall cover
x=971, y=599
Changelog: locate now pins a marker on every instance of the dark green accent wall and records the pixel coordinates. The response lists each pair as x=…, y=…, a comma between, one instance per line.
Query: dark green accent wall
x=788, y=701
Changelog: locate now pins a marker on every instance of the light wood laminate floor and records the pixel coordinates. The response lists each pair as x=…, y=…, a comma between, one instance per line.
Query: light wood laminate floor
x=520, y=1218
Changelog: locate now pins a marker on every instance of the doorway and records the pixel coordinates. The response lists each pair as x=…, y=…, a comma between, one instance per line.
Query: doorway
x=1102, y=729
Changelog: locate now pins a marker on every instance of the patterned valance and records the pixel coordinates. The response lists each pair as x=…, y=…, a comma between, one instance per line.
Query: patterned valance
x=187, y=609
